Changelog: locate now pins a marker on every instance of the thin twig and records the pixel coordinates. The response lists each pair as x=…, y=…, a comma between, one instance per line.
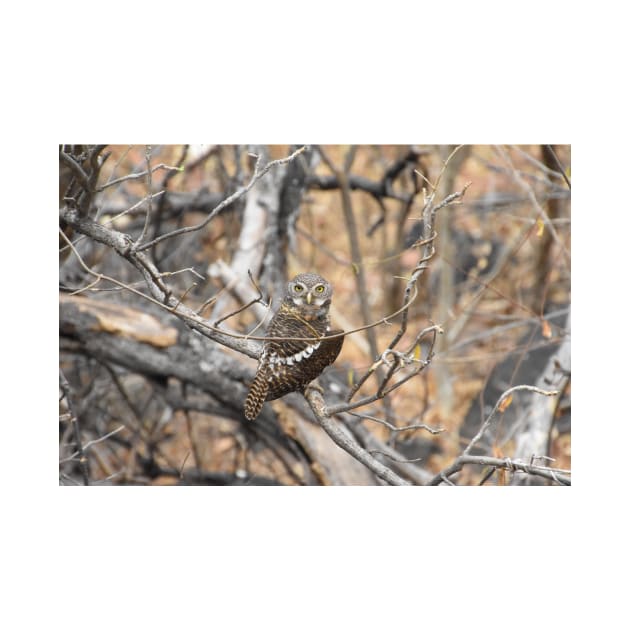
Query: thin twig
x=504, y=395
x=258, y=300
x=391, y=427
x=529, y=191
x=541, y=166
x=557, y=475
x=117, y=216
x=561, y=168
x=74, y=419
x=147, y=216
x=140, y=175
x=258, y=173
x=91, y=443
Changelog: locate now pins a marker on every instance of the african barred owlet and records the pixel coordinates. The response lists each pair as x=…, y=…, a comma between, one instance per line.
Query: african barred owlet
x=290, y=365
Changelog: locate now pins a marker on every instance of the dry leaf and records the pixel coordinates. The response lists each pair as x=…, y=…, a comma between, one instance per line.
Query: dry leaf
x=505, y=403
x=546, y=329
x=540, y=227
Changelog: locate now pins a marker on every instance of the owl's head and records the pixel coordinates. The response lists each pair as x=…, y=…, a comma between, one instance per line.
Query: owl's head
x=309, y=292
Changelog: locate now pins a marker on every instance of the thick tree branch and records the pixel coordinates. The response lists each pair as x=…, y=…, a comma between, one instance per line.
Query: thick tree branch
x=339, y=437
x=161, y=294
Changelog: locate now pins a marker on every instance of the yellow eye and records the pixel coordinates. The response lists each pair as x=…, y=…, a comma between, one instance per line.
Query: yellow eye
x=319, y=289
x=297, y=288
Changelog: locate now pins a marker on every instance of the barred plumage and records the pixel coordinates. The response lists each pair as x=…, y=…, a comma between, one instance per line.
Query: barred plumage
x=290, y=365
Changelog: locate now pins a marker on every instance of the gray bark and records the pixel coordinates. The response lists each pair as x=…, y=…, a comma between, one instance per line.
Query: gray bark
x=533, y=435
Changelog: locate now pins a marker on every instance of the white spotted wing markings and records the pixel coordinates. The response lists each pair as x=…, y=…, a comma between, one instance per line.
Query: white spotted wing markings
x=274, y=359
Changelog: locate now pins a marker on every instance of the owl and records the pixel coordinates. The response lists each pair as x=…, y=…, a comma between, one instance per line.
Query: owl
x=289, y=365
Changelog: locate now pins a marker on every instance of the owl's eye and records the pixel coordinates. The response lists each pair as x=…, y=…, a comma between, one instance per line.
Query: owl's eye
x=297, y=288
x=319, y=288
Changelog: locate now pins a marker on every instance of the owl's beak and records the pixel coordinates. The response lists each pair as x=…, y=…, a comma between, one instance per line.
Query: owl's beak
x=309, y=298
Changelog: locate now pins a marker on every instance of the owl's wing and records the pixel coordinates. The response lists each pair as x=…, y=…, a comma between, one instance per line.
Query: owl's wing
x=288, y=365
x=294, y=371
x=274, y=380
x=286, y=323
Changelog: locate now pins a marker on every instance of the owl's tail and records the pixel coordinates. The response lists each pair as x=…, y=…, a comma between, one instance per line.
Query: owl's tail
x=256, y=396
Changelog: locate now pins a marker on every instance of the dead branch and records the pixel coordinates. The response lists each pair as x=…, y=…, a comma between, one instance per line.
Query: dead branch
x=369, y=440
x=258, y=173
x=74, y=420
x=542, y=215
x=506, y=396
x=505, y=463
x=316, y=402
x=561, y=477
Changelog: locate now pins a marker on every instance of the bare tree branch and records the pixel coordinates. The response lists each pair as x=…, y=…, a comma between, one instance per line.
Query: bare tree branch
x=559, y=476
x=342, y=440
x=505, y=463
x=258, y=173
x=74, y=419
x=504, y=397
